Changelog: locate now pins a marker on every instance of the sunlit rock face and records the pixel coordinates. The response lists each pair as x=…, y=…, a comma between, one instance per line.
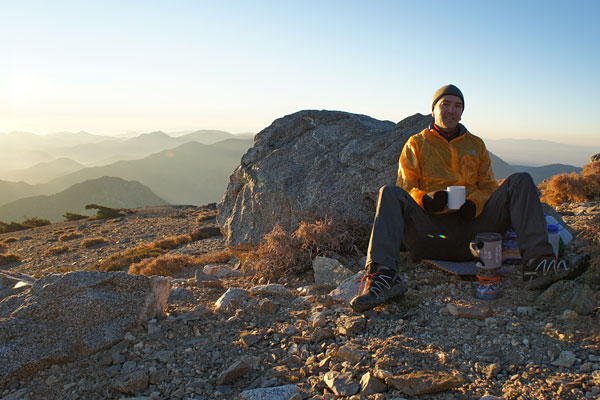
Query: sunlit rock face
x=312, y=164
x=66, y=316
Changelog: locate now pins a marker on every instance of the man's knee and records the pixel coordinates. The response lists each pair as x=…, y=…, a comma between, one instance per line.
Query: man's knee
x=392, y=190
x=520, y=179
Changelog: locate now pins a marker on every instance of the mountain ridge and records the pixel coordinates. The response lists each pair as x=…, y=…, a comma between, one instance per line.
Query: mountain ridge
x=106, y=191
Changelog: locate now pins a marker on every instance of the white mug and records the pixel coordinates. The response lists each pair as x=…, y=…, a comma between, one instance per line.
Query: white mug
x=456, y=197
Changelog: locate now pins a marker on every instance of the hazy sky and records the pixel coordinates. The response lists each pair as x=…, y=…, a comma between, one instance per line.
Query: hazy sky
x=528, y=69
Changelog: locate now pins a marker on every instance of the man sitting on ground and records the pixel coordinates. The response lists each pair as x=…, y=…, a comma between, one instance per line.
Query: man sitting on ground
x=415, y=213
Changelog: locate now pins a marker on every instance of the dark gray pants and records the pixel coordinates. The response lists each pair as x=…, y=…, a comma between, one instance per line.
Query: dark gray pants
x=399, y=219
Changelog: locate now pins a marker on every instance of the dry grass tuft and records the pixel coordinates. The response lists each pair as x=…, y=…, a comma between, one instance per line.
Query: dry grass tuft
x=69, y=236
x=122, y=260
x=57, y=250
x=172, y=242
x=164, y=265
x=214, y=257
x=8, y=258
x=205, y=233
x=573, y=187
x=93, y=241
x=205, y=215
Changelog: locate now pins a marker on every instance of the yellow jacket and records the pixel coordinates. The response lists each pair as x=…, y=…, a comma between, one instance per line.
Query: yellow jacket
x=430, y=163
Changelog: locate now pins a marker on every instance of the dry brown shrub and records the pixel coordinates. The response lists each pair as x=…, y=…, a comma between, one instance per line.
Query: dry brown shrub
x=58, y=250
x=569, y=188
x=214, y=257
x=163, y=265
x=590, y=235
x=10, y=239
x=321, y=237
x=69, y=236
x=172, y=242
x=93, y=241
x=8, y=258
x=280, y=254
x=592, y=171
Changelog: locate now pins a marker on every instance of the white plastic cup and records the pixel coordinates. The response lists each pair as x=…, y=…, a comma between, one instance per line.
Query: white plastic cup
x=456, y=197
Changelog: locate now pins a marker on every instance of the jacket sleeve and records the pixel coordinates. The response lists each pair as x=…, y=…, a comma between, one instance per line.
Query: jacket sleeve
x=409, y=171
x=486, y=182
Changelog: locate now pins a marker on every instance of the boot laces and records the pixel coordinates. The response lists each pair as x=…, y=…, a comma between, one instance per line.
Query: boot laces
x=548, y=264
x=379, y=282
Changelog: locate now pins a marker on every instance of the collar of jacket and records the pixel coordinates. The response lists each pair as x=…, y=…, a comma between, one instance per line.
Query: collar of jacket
x=461, y=131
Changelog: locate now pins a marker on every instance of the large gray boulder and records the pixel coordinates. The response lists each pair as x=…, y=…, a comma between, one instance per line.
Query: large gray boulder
x=312, y=164
x=66, y=316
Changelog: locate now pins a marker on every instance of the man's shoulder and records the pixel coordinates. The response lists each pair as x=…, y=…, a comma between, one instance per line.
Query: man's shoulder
x=419, y=136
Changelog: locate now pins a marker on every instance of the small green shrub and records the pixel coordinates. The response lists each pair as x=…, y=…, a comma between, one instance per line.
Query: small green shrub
x=35, y=222
x=106, y=212
x=69, y=216
x=12, y=227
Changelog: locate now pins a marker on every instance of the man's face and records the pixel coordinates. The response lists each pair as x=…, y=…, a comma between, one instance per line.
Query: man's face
x=447, y=111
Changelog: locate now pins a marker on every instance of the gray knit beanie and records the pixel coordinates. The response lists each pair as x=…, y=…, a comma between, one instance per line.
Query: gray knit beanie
x=444, y=90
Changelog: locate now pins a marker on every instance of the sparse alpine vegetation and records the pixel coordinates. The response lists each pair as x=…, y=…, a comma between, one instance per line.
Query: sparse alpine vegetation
x=90, y=242
x=104, y=212
x=69, y=216
x=164, y=265
x=27, y=224
x=58, y=250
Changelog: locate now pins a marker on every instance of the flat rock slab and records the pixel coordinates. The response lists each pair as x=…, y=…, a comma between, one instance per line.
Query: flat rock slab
x=424, y=382
x=287, y=392
x=233, y=297
x=329, y=272
x=63, y=317
x=348, y=289
x=341, y=383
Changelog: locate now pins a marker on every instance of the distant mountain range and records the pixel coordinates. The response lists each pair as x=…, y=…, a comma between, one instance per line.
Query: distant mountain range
x=192, y=173
x=106, y=191
x=502, y=169
x=44, y=171
x=536, y=153
x=21, y=150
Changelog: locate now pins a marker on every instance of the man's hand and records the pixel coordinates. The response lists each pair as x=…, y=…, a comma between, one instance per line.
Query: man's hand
x=435, y=201
x=467, y=210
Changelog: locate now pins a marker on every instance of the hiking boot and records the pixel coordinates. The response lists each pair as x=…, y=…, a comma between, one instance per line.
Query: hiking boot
x=541, y=272
x=378, y=288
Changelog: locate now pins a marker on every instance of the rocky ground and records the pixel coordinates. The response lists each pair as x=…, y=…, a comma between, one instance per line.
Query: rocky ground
x=230, y=338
